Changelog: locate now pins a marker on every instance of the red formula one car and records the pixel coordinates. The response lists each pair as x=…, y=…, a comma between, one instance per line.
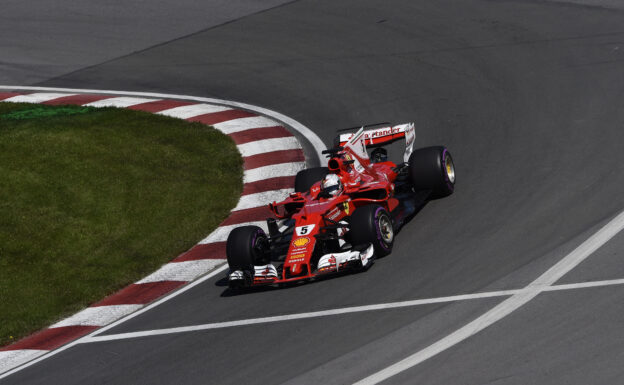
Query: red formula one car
x=342, y=216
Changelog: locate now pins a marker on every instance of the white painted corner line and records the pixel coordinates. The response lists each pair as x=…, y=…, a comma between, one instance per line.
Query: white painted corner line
x=124, y=98
x=341, y=311
x=152, y=305
x=316, y=142
x=543, y=283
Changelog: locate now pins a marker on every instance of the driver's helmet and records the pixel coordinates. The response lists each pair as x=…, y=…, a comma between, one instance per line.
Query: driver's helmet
x=331, y=185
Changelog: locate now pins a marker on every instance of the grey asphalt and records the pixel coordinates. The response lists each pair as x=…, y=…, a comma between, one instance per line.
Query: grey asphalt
x=528, y=95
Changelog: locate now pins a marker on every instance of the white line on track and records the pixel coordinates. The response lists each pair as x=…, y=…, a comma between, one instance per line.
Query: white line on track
x=542, y=283
x=341, y=311
x=317, y=143
x=46, y=354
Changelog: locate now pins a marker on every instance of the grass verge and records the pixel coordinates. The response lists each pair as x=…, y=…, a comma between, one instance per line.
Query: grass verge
x=94, y=199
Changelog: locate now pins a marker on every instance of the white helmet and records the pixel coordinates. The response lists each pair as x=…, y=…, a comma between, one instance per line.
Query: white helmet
x=331, y=185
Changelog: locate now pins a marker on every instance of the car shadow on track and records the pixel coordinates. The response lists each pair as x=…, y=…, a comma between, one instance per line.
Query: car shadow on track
x=234, y=292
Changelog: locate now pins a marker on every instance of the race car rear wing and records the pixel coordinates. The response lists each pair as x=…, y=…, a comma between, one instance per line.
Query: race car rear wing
x=380, y=136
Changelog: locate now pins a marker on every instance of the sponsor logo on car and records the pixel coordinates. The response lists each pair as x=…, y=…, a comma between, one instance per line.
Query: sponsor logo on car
x=334, y=213
x=296, y=258
x=300, y=242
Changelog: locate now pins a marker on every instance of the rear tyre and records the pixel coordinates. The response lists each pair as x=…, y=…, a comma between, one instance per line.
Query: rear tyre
x=246, y=246
x=372, y=224
x=432, y=168
x=306, y=178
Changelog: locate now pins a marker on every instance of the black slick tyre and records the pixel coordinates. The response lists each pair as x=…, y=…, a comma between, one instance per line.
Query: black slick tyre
x=372, y=224
x=432, y=168
x=246, y=246
x=306, y=178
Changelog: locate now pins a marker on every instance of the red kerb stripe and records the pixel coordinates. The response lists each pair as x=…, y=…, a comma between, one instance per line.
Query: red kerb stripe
x=223, y=116
x=281, y=182
x=52, y=338
x=140, y=293
x=6, y=95
x=159, y=105
x=79, y=99
x=248, y=215
x=274, y=157
x=208, y=251
x=254, y=134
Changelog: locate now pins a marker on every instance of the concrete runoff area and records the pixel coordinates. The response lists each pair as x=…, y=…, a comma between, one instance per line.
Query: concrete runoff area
x=527, y=95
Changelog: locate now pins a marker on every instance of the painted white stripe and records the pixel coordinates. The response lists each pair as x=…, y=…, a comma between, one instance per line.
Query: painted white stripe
x=261, y=199
x=506, y=307
x=12, y=358
x=316, y=142
x=38, y=97
x=310, y=135
x=12, y=368
x=268, y=145
x=341, y=311
x=97, y=315
x=242, y=124
x=272, y=171
x=222, y=232
x=121, y=102
x=584, y=285
x=182, y=271
x=185, y=112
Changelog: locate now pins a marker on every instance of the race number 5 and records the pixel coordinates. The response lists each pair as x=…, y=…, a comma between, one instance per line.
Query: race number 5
x=303, y=230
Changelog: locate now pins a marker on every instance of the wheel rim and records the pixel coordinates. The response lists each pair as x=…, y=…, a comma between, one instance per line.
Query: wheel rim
x=450, y=167
x=385, y=228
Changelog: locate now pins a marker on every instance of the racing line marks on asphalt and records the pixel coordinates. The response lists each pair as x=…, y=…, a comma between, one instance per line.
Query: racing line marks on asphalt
x=500, y=311
x=348, y=310
x=270, y=152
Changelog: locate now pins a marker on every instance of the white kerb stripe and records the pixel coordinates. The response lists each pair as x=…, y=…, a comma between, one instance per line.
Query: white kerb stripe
x=12, y=358
x=250, y=201
x=222, y=232
x=182, y=271
x=185, y=112
x=38, y=97
x=97, y=315
x=268, y=145
x=121, y=102
x=242, y=124
x=272, y=171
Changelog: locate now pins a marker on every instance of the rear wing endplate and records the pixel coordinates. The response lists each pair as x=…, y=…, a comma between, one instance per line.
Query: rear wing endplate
x=383, y=135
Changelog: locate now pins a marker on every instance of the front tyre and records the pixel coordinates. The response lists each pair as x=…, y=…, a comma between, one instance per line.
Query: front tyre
x=372, y=224
x=432, y=168
x=246, y=246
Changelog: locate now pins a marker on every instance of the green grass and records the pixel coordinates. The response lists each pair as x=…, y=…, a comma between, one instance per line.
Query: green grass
x=92, y=200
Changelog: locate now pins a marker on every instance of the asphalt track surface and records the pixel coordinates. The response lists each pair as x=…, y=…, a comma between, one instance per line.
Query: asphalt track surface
x=529, y=97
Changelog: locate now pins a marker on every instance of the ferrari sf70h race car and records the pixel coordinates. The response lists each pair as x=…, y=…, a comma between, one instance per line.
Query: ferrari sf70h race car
x=343, y=216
